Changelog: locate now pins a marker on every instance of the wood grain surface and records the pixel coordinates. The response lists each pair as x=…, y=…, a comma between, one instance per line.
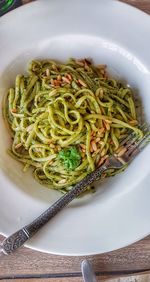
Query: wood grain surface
x=131, y=264
x=141, y=4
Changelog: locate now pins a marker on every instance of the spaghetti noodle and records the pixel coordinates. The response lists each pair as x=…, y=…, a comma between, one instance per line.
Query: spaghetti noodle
x=66, y=119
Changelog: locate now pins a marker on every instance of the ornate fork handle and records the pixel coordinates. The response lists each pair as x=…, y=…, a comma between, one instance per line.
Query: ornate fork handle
x=17, y=239
x=133, y=147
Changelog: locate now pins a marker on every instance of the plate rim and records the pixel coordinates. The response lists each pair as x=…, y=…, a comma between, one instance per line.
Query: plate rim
x=13, y=14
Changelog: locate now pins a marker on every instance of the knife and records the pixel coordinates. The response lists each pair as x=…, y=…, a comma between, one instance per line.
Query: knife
x=87, y=271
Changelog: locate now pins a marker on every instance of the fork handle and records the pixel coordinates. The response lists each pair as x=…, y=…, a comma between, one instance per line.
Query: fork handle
x=17, y=239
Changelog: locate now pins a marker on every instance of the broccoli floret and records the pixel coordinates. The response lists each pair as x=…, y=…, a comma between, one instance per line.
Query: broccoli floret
x=70, y=157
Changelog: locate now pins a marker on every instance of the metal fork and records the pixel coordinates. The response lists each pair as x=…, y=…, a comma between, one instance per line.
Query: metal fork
x=131, y=146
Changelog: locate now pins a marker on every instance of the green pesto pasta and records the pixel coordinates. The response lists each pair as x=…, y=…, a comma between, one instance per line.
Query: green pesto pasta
x=67, y=119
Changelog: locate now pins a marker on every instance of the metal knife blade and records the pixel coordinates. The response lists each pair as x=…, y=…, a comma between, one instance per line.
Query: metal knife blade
x=87, y=271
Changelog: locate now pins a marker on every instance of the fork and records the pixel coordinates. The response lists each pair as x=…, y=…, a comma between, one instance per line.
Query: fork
x=131, y=146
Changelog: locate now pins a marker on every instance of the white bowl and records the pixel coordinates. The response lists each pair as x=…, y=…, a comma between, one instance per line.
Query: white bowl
x=119, y=212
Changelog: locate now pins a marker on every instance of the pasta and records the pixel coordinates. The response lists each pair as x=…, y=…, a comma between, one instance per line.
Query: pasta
x=66, y=119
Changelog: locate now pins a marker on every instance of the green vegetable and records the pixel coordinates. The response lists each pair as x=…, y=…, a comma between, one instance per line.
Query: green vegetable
x=70, y=158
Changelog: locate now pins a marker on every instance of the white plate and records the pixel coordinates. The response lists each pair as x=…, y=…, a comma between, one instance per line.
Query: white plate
x=111, y=33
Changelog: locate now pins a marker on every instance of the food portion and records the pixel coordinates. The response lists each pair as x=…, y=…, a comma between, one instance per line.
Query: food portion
x=67, y=119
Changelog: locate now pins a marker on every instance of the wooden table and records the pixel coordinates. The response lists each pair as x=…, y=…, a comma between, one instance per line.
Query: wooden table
x=27, y=265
